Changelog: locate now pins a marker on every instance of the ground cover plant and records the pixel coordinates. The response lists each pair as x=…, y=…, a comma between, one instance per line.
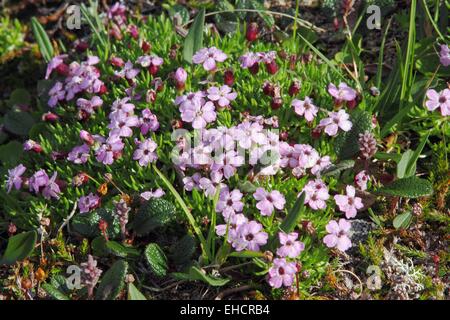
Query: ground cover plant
x=223, y=154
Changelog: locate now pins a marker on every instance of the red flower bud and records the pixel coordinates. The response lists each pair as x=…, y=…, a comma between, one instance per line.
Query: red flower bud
x=316, y=132
x=254, y=68
x=102, y=90
x=177, y=124
x=272, y=67
x=252, y=32
x=268, y=89
x=81, y=46
x=158, y=84
x=228, y=77
x=294, y=88
x=50, y=117
x=292, y=61
x=276, y=103
x=284, y=135
x=150, y=97
x=117, y=62
x=153, y=69
x=63, y=69
x=145, y=46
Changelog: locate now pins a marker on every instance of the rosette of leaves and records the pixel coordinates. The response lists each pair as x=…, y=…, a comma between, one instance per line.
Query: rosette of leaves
x=87, y=225
x=153, y=214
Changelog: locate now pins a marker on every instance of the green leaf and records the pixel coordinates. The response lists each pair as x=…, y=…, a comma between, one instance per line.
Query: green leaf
x=197, y=274
x=346, y=145
x=402, y=165
x=402, y=221
x=183, y=250
x=411, y=187
x=45, y=46
x=247, y=187
x=87, y=224
x=19, y=247
x=194, y=39
x=412, y=163
x=335, y=170
x=18, y=122
x=54, y=292
x=156, y=259
x=246, y=254
x=121, y=250
x=11, y=153
x=177, y=10
x=19, y=97
x=293, y=216
x=134, y=293
x=153, y=214
x=113, y=281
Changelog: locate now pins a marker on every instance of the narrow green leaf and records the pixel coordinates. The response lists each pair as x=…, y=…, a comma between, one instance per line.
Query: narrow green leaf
x=194, y=39
x=45, y=46
x=291, y=220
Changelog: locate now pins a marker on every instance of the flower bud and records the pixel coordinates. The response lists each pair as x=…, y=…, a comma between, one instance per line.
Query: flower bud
x=180, y=77
x=49, y=117
x=254, y=68
x=117, y=62
x=228, y=77
x=272, y=67
x=252, y=32
x=276, y=102
x=145, y=46
x=268, y=88
x=86, y=137
x=294, y=88
x=150, y=96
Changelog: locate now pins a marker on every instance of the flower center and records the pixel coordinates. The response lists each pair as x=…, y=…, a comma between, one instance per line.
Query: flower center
x=249, y=237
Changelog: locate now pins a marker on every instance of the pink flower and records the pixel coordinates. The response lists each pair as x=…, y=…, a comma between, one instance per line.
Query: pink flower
x=349, y=203
x=232, y=225
x=199, y=115
x=87, y=203
x=38, y=180
x=338, y=235
x=89, y=105
x=223, y=95
x=128, y=71
x=208, y=57
x=282, y=273
x=191, y=183
x=316, y=194
x=15, y=178
x=250, y=237
x=148, y=122
x=444, y=55
x=51, y=190
x=180, y=77
x=147, y=195
x=305, y=108
x=79, y=154
x=145, y=153
x=321, y=164
x=190, y=100
x=267, y=202
x=335, y=121
x=229, y=202
x=56, y=94
x=121, y=124
x=290, y=247
x=342, y=93
x=227, y=163
x=109, y=150
x=151, y=62
x=249, y=60
x=54, y=63
x=439, y=100
x=361, y=180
